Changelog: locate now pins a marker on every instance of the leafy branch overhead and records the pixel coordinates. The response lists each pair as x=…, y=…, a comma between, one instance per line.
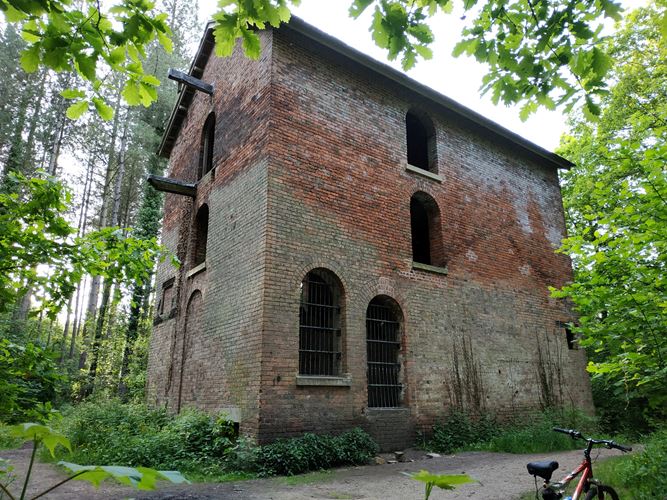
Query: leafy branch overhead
x=82, y=36
x=538, y=52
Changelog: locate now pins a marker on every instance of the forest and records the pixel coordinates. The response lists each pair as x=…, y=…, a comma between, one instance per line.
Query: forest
x=80, y=229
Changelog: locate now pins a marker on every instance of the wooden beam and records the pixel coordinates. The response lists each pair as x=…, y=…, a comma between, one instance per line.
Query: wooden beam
x=190, y=81
x=172, y=186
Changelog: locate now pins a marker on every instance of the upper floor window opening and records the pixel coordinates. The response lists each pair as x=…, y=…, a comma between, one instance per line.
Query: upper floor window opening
x=426, y=232
x=320, y=324
x=200, y=236
x=206, y=148
x=421, y=143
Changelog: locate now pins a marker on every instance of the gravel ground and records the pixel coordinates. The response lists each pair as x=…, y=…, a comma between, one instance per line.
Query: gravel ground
x=499, y=476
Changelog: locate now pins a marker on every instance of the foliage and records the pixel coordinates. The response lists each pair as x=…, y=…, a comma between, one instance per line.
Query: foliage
x=462, y=431
x=616, y=203
x=617, y=413
x=63, y=35
x=458, y=430
x=135, y=434
x=29, y=376
x=312, y=452
x=38, y=251
x=640, y=476
x=142, y=478
x=442, y=481
x=539, y=52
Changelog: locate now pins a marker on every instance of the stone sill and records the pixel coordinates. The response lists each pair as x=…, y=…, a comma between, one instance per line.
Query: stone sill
x=196, y=270
x=429, y=269
x=397, y=409
x=423, y=173
x=324, y=381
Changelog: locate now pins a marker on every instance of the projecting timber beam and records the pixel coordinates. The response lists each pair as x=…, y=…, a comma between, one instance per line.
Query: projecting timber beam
x=190, y=81
x=172, y=186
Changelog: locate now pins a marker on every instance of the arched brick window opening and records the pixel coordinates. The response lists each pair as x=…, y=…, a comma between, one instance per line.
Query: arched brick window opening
x=200, y=236
x=192, y=329
x=425, y=226
x=320, y=324
x=384, y=330
x=206, y=149
x=420, y=134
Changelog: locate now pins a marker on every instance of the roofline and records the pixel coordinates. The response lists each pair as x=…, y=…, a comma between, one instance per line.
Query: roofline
x=301, y=27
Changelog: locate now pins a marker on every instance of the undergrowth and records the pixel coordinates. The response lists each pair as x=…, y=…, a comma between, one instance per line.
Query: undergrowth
x=193, y=442
x=460, y=431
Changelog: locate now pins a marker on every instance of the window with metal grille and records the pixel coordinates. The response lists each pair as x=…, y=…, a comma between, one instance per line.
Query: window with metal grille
x=200, y=237
x=207, y=142
x=319, y=324
x=421, y=144
x=383, y=345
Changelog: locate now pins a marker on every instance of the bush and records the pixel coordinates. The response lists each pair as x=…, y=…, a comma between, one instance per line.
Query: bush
x=643, y=474
x=313, y=452
x=460, y=431
x=112, y=433
x=619, y=414
x=29, y=377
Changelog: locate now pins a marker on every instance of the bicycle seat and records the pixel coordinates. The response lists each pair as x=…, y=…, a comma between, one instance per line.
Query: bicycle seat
x=542, y=469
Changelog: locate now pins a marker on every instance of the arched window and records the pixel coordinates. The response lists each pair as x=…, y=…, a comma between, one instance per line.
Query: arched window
x=192, y=329
x=383, y=346
x=200, y=236
x=420, y=134
x=206, y=149
x=320, y=324
x=426, y=231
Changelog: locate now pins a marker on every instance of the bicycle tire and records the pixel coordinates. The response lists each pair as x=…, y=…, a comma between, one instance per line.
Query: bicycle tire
x=604, y=492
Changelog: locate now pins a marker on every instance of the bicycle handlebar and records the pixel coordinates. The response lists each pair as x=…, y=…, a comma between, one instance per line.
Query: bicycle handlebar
x=577, y=435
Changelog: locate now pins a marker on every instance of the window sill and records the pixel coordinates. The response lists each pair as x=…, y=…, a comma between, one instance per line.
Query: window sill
x=323, y=380
x=429, y=269
x=196, y=270
x=423, y=173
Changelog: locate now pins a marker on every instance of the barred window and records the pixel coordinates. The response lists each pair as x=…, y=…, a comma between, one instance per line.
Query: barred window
x=320, y=324
x=383, y=347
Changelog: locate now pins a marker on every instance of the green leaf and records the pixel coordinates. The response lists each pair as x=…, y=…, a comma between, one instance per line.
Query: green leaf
x=103, y=109
x=251, y=44
x=77, y=109
x=166, y=42
x=73, y=94
x=358, y=7
x=131, y=93
x=30, y=59
x=85, y=65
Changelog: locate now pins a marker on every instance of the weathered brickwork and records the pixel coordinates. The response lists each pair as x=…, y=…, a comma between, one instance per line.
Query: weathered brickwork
x=310, y=172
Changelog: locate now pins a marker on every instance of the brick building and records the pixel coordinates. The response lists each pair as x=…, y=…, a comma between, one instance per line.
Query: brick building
x=358, y=250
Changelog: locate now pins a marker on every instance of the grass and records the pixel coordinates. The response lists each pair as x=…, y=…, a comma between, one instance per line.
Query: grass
x=7, y=441
x=308, y=478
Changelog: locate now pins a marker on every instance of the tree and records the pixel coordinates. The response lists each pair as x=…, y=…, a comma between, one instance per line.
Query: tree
x=540, y=52
x=616, y=203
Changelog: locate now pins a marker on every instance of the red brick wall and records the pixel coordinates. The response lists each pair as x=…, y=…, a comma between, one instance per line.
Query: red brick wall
x=311, y=172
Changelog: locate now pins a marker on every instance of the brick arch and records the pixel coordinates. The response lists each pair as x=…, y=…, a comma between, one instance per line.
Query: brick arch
x=329, y=265
x=192, y=331
x=382, y=286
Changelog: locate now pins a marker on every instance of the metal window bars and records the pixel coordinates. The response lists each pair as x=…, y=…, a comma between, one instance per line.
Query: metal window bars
x=382, y=347
x=319, y=328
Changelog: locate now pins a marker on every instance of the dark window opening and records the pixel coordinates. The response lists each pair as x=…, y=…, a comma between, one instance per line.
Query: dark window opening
x=570, y=338
x=427, y=245
x=383, y=345
x=207, y=142
x=319, y=324
x=420, y=136
x=201, y=235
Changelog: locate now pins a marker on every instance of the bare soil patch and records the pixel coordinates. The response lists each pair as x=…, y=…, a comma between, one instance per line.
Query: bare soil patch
x=499, y=476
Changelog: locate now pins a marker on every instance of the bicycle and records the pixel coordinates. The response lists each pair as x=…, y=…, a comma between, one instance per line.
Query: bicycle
x=587, y=484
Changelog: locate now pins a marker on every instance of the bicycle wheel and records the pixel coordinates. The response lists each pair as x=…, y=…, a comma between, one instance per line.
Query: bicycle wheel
x=601, y=492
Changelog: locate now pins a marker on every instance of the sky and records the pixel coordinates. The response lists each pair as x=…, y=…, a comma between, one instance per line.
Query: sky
x=457, y=78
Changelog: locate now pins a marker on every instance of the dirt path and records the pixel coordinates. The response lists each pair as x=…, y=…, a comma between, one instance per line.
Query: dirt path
x=500, y=476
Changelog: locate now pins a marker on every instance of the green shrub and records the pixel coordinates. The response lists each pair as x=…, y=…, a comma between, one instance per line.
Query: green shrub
x=313, y=452
x=619, y=414
x=29, y=377
x=112, y=433
x=640, y=476
x=460, y=431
